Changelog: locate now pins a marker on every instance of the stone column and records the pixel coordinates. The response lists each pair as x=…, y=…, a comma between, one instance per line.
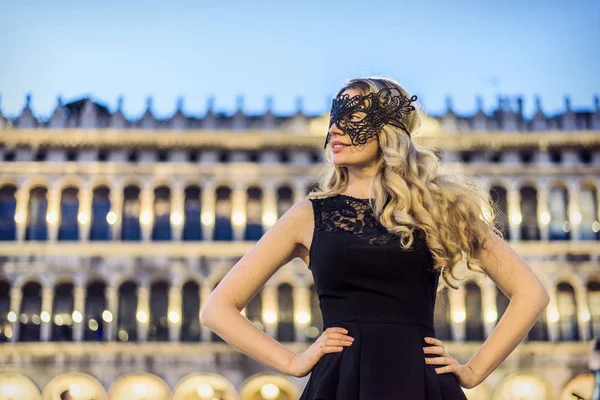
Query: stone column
x=46, y=311
x=111, y=295
x=21, y=211
x=84, y=216
x=573, y=193
x=207, y=204
x=488, y=298
x=143, y=307
x=301, y=305
x=53, y=213
x=514, y=207
x=239, y=197
x=175, y=303
x=79, y=306
x=269, y=206
x=177, y=212
x=553, y=333
x=116, y=206
x=542, y=200
x=270, y=304
x=16, y=296
x=299, y=190
x=457, y=306
x=146, y=212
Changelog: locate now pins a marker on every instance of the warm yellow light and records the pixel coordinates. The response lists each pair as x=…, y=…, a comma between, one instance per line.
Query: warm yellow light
x=74, y=390
x=10, y=390
x=77, y=317
x=51, y=217
x=303, y=317
x=140, y=389
x=459, y=316
x=596, y=226
x=123, y=336
x=269, y=219
x=93, y=325
x=545, y=218
x=174, y=317
x=269, y=317
x=554, y=316
x=491, y=316
x=207, y=218
x=82, y=218
x=111, y=217
x=176, y=218
x=516, y=218
x=205, y=390
x=269, y=391
x=585, y=316
x=107, y=316
x=238, y=218
x=58, y=320
x=566, y=226
x=45, y=316
x=12, y=316
x=142, y=317
x=146, y=218
x=19, y=218
x=8, y=332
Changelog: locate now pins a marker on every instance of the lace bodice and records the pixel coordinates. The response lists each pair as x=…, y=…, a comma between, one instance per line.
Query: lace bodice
x=351, y=214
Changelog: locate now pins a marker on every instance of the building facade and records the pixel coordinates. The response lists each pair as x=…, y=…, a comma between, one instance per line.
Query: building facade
x=113, y=233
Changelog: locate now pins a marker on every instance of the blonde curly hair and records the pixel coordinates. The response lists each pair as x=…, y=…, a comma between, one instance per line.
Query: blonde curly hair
x=409, y=192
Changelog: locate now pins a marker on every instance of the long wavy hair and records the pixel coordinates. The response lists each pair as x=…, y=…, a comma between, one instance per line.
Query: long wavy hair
x=409, y=193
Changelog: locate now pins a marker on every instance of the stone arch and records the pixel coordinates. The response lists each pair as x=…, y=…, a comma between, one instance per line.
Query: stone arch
x=19, y=386
x=526, y=386
x=78, y=384
x=142, y=384
x=209, y=385
x=252, y=387
x=582, y=385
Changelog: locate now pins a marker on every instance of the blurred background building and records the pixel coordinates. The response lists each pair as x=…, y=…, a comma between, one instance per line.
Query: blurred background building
x=114, y=232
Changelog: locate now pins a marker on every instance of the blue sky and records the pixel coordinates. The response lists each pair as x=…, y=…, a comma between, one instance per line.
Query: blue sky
x=286, y=49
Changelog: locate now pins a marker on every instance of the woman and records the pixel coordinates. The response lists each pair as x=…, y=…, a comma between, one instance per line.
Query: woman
x=377, y=236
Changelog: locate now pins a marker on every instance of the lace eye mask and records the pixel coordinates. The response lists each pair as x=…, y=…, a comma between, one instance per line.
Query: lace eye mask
x=362, y=117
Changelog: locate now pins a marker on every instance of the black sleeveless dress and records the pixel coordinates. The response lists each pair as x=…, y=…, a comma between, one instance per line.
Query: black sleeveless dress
x=384, y=296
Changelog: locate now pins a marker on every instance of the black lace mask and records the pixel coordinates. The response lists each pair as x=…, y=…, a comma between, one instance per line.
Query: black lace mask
x=388, y=106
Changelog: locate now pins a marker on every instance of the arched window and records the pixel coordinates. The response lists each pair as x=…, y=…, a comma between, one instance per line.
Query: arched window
x=94, y=317
x=223, y=228
x=62, y=311
x=130, y=224
x=8, y=207
x=158, y=327
x=69, y=208
x=192, y=229
x=36, y=215
x=161, y=230
x=286, y=331
x=254, y=229
x=190, y=321
x=101, y=220
x=29, y=315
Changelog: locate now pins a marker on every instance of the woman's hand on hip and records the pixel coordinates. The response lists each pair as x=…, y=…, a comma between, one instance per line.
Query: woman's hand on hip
x=332, y=340
x=465, y=375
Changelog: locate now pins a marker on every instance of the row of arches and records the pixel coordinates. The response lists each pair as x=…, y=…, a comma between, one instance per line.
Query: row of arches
x=199, y=386
x=161, y=312
x=125, y=221
x=560, y=214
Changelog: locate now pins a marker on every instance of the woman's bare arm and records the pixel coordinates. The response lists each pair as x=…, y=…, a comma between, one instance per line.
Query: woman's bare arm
x=528, y=299
x=221, y=313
